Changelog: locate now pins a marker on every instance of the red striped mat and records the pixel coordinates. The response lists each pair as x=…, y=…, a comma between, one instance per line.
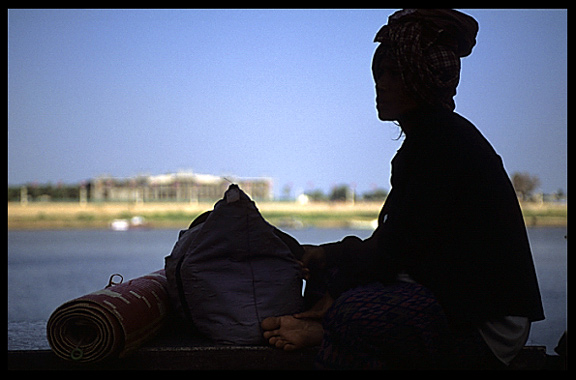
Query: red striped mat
x=111, y=322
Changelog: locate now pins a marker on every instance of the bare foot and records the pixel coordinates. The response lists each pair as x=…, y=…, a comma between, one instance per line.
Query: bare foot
x=289, y=333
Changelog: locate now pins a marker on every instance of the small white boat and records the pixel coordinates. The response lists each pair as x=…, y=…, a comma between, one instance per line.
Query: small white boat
x=136, y=222
x=120, y=225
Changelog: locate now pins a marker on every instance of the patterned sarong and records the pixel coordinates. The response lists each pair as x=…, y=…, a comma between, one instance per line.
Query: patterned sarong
x=377, y=326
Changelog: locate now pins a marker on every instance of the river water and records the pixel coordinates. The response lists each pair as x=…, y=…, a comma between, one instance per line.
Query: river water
x=48, y=268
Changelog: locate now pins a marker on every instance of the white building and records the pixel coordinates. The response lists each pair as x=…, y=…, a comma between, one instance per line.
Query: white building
x=179, y=187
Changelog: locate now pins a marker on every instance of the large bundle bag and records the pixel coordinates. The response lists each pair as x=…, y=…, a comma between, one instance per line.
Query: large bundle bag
x=231, y=269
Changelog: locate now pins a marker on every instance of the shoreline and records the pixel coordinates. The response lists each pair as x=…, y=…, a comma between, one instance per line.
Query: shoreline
x=72, y=215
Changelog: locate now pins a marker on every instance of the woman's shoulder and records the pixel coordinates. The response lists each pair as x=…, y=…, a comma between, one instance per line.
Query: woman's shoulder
x=465, y=139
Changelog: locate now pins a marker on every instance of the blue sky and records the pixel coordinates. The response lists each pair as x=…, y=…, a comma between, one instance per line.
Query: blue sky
x=286, y=94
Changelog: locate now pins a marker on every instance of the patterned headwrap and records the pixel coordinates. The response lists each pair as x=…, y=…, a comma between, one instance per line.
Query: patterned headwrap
x=427, y=45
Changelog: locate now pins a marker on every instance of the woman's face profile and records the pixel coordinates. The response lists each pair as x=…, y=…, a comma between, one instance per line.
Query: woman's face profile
x=392, y=98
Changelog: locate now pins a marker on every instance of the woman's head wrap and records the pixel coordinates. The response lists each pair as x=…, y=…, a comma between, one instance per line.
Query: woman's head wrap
x=427, y=45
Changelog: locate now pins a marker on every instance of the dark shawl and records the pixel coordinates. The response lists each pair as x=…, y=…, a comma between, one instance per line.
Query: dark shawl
x=453, y=222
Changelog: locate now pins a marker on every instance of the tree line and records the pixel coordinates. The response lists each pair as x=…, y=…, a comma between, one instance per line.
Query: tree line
x=343, y=193
x=525, y=185
x=45, y=192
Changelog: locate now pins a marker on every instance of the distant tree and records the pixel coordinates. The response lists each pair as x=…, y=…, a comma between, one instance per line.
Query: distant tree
x=375, y=195
x=13, y=193
x=340, y=193
x=316, y=195
x=36, y=192
x=286, y=191
x=524, y=184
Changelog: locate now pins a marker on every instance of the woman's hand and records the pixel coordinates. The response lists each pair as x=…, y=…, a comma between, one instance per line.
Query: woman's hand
x=314, y=257
x=318, y=310
x=304, y=271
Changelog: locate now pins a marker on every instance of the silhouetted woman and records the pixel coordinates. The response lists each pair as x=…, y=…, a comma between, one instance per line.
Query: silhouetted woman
x=447, y=279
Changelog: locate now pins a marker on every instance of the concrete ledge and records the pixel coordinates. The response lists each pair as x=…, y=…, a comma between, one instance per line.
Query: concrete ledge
x=178, y=358
x=228, y=358
x=175, y=349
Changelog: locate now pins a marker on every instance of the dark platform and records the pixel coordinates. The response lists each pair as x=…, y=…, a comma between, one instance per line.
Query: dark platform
x=174, y=350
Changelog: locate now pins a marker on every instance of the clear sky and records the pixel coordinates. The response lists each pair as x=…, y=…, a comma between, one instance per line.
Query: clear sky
x=286, y=94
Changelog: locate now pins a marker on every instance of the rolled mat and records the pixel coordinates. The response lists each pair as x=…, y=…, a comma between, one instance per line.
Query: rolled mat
x=111, y=322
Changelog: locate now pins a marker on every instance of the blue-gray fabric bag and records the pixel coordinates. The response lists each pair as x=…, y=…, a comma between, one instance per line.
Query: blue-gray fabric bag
x=232, y=269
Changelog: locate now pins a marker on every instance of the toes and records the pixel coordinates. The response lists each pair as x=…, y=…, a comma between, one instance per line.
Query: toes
x=280, y=343
x=270, y=323
x=289, y=347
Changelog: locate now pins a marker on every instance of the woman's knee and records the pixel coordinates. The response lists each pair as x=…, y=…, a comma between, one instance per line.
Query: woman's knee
x=351, y=308
x=381, y=307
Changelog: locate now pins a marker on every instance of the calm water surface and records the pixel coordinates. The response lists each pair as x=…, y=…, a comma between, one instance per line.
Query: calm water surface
x=48, y=268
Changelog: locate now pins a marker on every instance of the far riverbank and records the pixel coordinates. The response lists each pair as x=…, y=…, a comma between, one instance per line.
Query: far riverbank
x=72, y=215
